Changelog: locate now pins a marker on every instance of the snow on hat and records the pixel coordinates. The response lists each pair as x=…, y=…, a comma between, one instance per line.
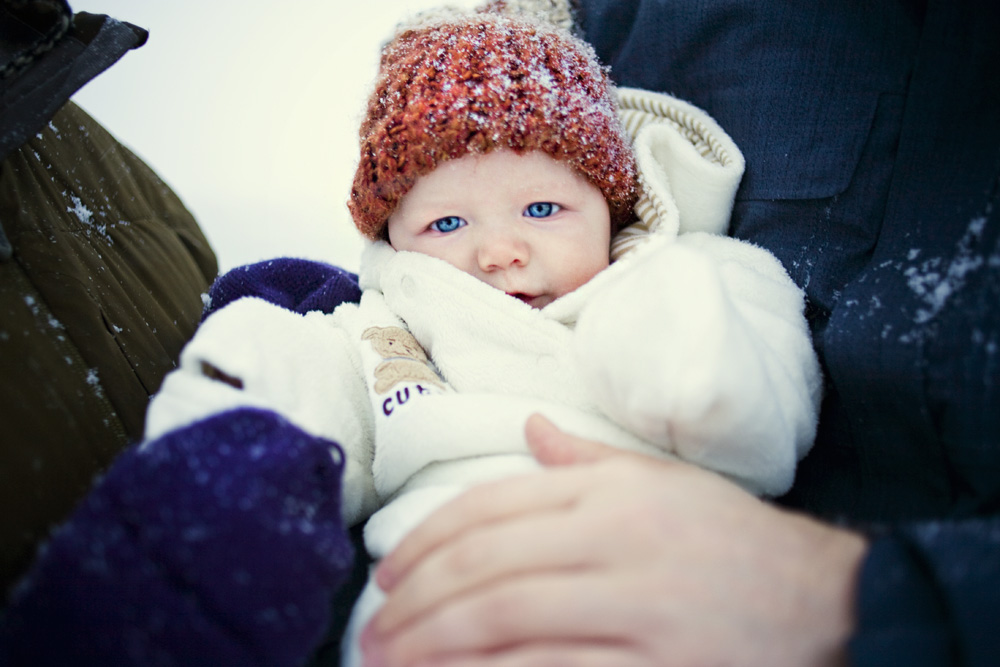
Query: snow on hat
x=473, y=83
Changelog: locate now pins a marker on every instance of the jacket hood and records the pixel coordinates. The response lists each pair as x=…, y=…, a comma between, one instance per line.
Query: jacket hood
x=689, y=169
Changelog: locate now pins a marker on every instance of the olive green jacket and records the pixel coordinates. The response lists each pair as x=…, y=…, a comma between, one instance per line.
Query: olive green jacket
x=101, y=275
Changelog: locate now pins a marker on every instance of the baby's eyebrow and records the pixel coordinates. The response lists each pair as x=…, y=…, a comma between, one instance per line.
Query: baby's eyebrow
x=543, y=189
x=436, y=204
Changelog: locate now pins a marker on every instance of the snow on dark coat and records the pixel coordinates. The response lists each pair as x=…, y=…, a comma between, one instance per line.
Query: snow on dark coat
x=872, y=139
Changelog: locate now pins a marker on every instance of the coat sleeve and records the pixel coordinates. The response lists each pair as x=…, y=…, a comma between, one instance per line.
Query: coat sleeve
x=255, y=354
x=927, y=596
x=702, y=348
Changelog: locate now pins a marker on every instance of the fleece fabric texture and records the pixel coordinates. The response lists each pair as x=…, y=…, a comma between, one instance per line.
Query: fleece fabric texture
x=728, y=379
x=220, y=543
x=297, y=285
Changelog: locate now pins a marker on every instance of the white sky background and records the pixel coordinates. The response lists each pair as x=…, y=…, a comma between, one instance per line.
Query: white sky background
x=249, y=111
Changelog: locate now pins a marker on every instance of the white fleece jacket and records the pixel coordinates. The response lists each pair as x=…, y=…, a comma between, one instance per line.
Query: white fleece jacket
x=690, y=345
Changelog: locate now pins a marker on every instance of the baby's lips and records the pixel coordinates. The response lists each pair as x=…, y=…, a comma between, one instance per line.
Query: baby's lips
x=533, y=301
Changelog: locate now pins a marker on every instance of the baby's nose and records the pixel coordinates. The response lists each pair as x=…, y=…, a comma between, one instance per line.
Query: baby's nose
x=502, y=249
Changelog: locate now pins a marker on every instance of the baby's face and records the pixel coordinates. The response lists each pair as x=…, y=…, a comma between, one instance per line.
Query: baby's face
x=525, y=224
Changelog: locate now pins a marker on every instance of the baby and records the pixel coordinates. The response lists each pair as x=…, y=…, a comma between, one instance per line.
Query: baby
x=539, y=243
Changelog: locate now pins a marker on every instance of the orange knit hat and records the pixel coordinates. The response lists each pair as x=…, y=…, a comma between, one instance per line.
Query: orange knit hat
x=471, y=84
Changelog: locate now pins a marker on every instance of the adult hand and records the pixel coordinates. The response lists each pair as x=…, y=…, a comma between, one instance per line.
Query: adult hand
x=612, y=558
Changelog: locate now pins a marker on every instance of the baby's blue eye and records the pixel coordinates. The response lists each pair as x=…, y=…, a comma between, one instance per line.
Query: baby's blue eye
x=449, y=224
x=541, y=209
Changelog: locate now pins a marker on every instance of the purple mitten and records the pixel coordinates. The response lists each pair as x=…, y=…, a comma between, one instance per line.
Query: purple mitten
x=299, y=285
x=219, y=544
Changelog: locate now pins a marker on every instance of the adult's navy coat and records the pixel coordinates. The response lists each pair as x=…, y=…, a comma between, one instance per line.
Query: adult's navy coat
x=871, y=132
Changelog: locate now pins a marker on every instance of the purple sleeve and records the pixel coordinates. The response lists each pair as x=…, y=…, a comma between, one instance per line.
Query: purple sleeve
x=300, y=285
x=220, y=543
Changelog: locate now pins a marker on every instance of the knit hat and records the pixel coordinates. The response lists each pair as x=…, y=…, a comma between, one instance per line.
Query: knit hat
x=473, y=83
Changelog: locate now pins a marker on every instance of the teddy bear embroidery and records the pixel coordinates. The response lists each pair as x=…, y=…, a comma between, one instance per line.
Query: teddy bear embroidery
x=405, y=360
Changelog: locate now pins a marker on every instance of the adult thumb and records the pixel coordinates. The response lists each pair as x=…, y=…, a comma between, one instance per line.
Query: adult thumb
x=554, y=447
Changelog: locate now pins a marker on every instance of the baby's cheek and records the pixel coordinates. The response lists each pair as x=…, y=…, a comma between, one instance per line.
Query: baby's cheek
x=581, y=273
